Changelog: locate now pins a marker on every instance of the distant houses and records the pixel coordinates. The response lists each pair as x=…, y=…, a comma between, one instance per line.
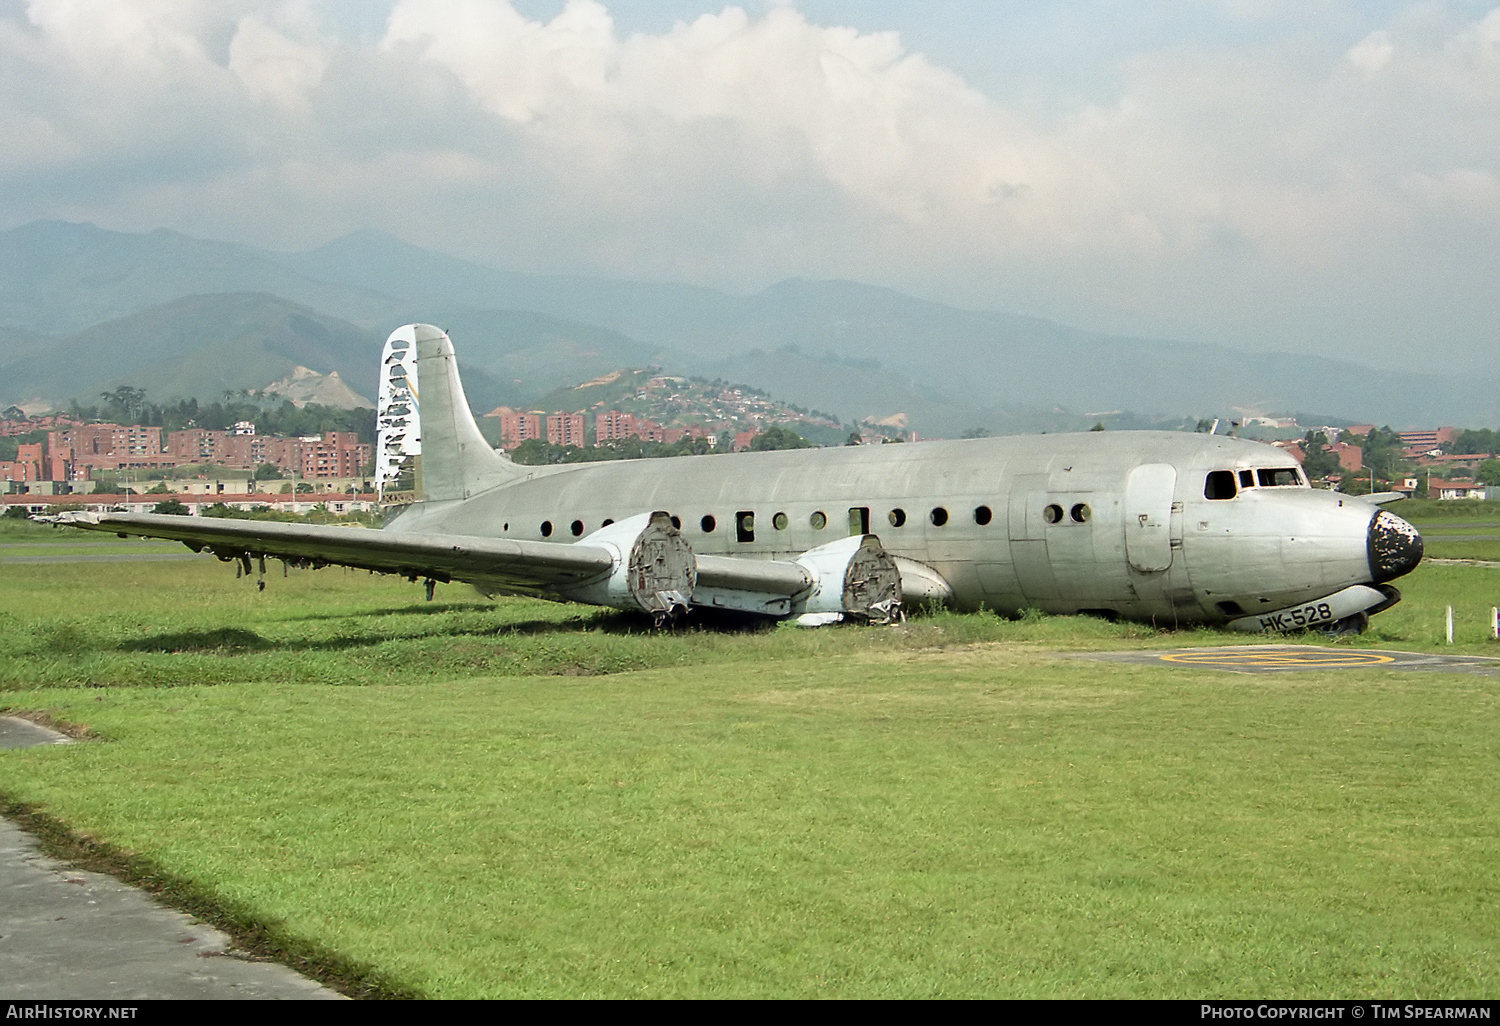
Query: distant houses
x=74, y=454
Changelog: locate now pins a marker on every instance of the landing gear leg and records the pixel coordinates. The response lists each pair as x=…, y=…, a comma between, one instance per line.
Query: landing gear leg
x=1349, y=626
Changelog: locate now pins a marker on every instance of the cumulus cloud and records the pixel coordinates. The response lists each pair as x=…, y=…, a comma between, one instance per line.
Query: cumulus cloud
x=1270, y=191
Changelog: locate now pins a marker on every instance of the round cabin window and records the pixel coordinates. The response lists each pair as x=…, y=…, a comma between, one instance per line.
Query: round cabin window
x=546, y=529
x=1081, y=513
x=1052, y=514
x=818, y=521
x=939, y=516
x=707, y=524
x=897, y=517
x=982, y=515
x=576, y=527
x=779, y=521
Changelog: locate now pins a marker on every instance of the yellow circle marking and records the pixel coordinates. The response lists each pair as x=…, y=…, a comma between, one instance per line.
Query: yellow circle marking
x=1279, y=660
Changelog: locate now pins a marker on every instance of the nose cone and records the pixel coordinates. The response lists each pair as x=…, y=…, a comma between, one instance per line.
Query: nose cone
x=1394, y=547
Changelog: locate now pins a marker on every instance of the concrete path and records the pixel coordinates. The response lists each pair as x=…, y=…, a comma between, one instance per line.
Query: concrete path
x=67, y=934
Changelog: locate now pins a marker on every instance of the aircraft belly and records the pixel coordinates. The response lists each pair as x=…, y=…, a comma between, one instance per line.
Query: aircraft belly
x=1001, y=587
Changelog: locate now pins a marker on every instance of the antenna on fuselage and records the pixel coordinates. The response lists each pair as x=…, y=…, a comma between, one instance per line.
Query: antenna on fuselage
x=1215, y=429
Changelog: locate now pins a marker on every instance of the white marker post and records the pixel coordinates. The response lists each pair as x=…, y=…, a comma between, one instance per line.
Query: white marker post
x=1450, y=625
x=1495, y=622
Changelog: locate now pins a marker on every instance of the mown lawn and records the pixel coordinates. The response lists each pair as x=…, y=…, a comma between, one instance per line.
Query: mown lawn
x=524, y=799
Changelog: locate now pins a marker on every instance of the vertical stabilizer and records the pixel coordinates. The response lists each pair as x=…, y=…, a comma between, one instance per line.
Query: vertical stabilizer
x=398, y=422
x=455, y=461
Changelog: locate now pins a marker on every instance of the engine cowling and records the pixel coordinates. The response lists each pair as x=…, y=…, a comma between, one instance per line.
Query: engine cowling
x=654, y=568
x=854, y=577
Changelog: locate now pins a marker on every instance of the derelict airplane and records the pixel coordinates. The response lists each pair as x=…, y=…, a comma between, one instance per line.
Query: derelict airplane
x=1166, y=527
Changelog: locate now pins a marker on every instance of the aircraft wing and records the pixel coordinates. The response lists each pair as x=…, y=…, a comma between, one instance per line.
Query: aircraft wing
x=525, y=566
x=638, y=563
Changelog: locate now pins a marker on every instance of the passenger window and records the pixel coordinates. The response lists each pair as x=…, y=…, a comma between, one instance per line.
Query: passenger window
x=982, y=515
x=1247, y=479
x=779, y=521
x=1052, y=514
x=744, y=526
x=1220, y=485
x=897, y=517
x=859, y=520
x=707, y=524
x=818, y=521
x=939, y=516
x=1280, y=477
x=1081, y=513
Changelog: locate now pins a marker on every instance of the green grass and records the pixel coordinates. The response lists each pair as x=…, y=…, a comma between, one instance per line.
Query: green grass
x=1485, y=551
x=1422, y=510
x=981, y=823
x=527, y=799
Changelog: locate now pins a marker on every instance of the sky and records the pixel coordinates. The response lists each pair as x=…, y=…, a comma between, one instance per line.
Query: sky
x=1296, y=176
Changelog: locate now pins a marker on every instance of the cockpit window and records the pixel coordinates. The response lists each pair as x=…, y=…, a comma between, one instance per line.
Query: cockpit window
x=1220, y=485
x=1280, y=477
x=1247, y=479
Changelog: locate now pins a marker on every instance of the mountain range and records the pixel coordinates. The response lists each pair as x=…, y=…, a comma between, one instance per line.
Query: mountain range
x=84, y=309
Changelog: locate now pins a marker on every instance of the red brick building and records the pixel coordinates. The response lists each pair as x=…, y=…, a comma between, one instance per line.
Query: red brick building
x=516, y=427
x=565, y=429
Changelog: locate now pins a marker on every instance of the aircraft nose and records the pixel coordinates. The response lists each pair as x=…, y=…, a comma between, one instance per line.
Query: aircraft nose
x=1394, y=547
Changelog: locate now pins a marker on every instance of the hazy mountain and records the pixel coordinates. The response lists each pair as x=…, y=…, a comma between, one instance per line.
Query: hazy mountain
x=205, y=345
x=198, y=346
x=59, y=278
x=857, y=349
x=853, y=350
x=526, y=355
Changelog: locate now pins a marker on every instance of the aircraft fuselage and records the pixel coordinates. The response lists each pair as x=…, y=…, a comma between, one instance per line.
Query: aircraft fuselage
x=1126, y=523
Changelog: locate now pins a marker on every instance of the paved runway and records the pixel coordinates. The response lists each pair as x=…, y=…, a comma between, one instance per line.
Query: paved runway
x=67, y=934
x=1288, y=658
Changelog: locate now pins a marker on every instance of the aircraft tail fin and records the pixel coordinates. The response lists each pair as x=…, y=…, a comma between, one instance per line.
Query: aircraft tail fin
x=427, y=433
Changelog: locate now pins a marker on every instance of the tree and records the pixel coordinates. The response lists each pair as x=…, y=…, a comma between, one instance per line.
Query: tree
x=778, y=437
x=853, y=439
x=1317, y=461
x=1488, y=472
x=977, y=432
x=1098, y=427
x=268, y=472
x=171, y=507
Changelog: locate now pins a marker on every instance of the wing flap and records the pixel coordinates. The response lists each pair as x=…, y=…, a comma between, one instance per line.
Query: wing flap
x=494, y=562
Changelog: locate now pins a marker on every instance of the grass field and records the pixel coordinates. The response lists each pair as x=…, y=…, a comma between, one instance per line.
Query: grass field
x=524, y=799
x=1464, y=529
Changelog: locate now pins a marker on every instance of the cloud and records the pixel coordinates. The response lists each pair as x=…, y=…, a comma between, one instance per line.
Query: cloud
x=1288, y=190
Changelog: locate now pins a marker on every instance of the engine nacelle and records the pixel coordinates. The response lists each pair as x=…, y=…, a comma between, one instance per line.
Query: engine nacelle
x=854, y=577
x=654, y=568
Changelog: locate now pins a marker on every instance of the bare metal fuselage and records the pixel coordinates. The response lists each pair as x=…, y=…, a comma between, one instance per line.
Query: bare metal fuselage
x=1114, y=522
